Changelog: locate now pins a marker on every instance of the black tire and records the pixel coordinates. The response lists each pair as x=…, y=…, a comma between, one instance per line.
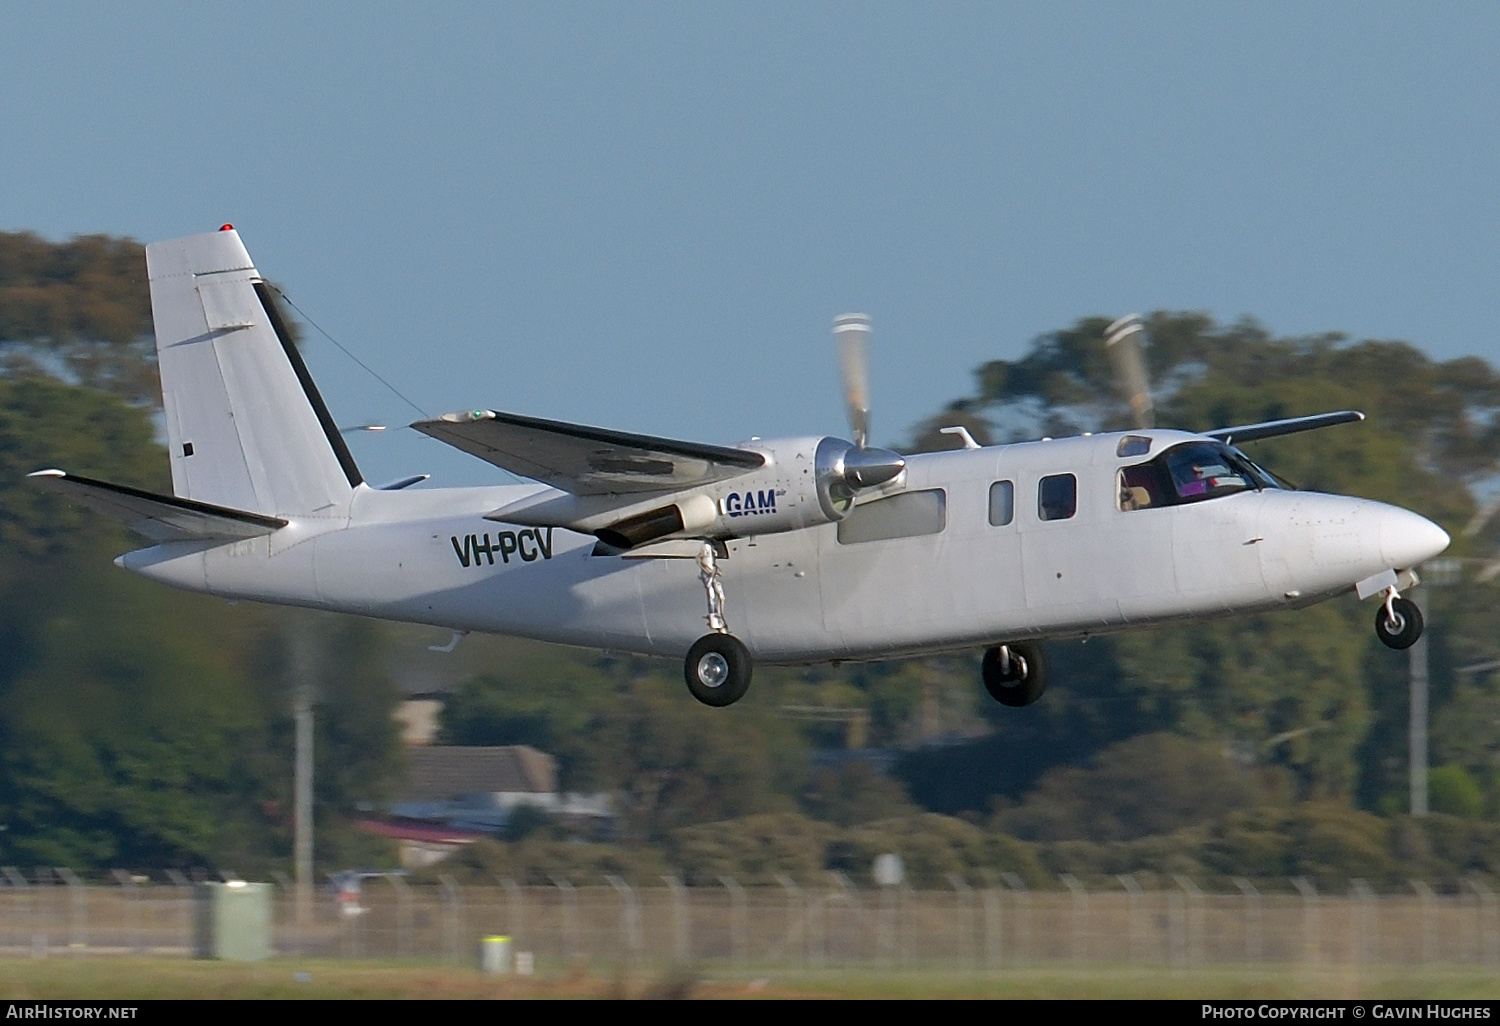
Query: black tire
x=1013, y=687
x=1404, y=630
x=717, y=669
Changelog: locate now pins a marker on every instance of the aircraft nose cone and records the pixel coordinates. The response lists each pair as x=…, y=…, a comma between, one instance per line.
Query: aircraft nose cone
x=1407, y=539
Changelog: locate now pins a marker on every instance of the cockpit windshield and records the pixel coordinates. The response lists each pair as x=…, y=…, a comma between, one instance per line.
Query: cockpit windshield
x=1191, y=472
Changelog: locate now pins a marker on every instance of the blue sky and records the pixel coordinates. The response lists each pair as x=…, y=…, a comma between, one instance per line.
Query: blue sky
x=646, y=215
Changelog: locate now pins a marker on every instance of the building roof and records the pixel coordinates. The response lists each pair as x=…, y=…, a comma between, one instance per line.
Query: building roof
x=420, y=831
x=441, y=773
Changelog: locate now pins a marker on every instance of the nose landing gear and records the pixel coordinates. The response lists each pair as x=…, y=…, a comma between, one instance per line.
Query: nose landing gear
x=1014, y=674
x=1398, y=621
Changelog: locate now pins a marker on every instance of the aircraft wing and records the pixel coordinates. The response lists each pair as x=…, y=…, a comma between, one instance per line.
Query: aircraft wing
x=162, y=518
x=1290, y=426
x=588, y=460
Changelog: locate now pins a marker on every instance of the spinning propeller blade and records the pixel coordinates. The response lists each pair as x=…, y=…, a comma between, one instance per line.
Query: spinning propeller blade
x=863, y=467
x=852, y=332
x=1123, y=340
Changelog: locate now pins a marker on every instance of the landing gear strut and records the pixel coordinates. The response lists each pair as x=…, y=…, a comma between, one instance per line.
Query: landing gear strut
x=717, y=668
x=1398, y=621
x=1014, y=675
x=709, y=573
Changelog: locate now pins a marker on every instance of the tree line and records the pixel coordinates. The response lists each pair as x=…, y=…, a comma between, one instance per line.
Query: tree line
x=144, y=727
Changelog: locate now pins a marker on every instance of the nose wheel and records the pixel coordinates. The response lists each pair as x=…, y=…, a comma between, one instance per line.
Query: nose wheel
x=1398, y=622
x=1014, y=675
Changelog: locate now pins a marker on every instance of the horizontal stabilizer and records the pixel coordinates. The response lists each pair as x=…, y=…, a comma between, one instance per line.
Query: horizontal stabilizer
x=588, y=460
x=161, y=518
x=1290, y=426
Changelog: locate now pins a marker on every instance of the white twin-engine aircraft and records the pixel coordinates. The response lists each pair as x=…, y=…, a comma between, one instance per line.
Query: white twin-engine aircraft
x=826, y=549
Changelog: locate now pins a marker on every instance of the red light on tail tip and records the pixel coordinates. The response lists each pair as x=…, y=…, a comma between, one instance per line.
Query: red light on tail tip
x=226, y=228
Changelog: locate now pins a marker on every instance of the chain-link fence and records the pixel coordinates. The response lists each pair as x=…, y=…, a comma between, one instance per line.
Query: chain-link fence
x=56, y=914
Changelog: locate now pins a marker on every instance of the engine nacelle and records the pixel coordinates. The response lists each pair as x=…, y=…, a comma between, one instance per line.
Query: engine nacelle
x=800, y=486
x=805, y=482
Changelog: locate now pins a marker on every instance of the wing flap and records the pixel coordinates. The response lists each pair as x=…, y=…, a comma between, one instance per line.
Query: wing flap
x=161, y=518
x=587, y=460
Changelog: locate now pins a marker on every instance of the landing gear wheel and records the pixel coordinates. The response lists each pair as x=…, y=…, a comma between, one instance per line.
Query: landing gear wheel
x=1401, y=626
x=1014, y=675
x=717, y=669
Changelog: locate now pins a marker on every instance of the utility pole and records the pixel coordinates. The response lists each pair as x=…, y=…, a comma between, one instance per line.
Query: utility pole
x=1436, y=573
x=303, y=670
x=1416, y=725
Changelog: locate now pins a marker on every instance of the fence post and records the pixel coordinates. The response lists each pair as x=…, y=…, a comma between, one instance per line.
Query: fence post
x=183, y=888
x=283, y=894
x=77, y=910
x=515, y=926
x=1077, y=939
x=736, y=919
x=403, y=914
x=1429, y=940
x=132, y=899
x=1485, y=920
x=849, y=902
x=630, y=918
x=1194, y=903
x=966, y=893
x=452, y=907
x=570, y=916
x=887, y=918
x=994, y=928
x=1312, y=926
x=796, y=911
x=17, y=880
x=43, y=911
x=1252, y=919
x=42, y=908
x=1132, y=913
x=681, y=944
x=1017, y=887
x=1363, y=923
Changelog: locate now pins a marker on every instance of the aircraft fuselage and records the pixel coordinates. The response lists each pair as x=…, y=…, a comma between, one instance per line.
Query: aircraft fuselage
x=979, y=546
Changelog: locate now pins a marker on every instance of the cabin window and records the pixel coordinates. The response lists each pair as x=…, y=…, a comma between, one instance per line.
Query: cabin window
x=1002, y=503
x=1057, y=497
x=904, y=515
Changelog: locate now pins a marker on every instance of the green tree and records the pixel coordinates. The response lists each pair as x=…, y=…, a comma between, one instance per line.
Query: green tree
x=670, y=763
x=1147, y=785
x=121, y=733
x=752, y=849
x=79, y=310
x=1306, y=693
x=139, y=725
x=854, y=792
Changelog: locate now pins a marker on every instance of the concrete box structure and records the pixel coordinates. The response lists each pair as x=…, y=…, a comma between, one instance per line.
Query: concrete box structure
x=232, y=921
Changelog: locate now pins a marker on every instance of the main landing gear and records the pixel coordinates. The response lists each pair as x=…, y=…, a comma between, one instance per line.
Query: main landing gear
x=1398, y=621
x=717, y=668
x=1015, y=674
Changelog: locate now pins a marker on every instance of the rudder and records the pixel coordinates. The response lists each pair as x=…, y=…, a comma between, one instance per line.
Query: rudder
x=246, y=427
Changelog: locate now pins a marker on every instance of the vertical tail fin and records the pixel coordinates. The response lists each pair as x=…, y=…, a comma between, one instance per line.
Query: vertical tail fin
x=245, y=424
